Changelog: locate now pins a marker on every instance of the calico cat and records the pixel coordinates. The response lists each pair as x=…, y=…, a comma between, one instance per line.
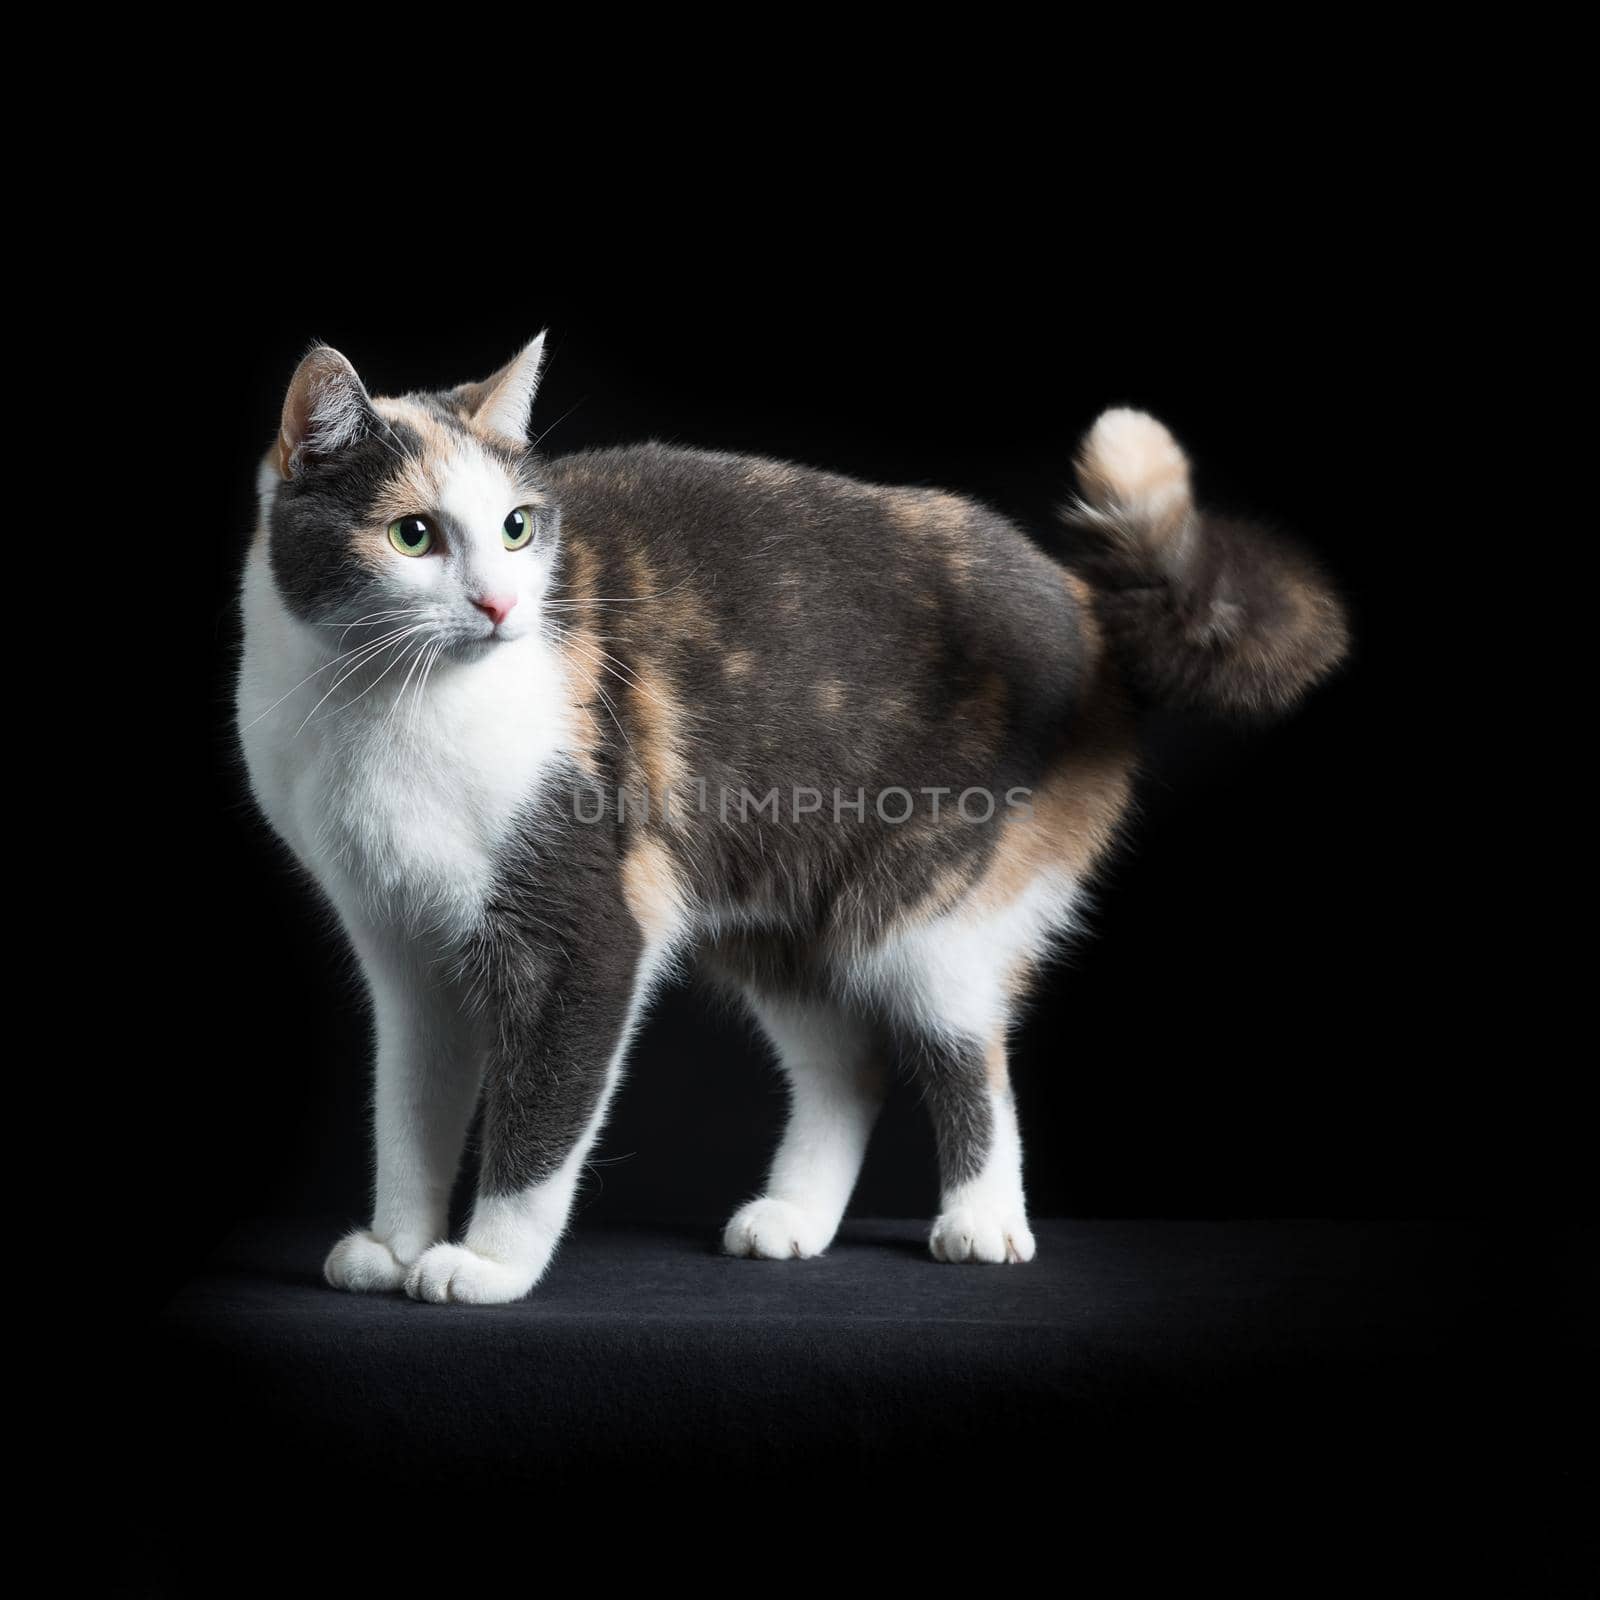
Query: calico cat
x=544, y=731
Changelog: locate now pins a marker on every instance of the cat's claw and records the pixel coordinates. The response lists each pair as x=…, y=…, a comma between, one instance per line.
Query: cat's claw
x=776, y=1230
x=965, y=1233
x=364, y=1264
x=451, y=1274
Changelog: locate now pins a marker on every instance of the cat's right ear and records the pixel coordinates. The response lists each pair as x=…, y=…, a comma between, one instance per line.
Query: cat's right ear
x=326, y=409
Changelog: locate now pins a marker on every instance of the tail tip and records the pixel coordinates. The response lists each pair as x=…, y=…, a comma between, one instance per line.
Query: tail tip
x=1130, y=463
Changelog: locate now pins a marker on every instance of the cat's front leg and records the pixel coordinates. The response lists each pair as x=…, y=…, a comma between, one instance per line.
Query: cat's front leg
x=429, y=1062
x=563, y=1021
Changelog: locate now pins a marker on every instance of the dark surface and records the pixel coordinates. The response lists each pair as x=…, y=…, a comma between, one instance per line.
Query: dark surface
x=1308, y=1369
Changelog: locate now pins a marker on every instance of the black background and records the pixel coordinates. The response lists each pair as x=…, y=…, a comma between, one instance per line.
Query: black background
x=1289, y=1000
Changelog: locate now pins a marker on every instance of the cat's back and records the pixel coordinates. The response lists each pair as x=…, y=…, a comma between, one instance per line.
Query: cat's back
x=742, y=506
x=769, y=548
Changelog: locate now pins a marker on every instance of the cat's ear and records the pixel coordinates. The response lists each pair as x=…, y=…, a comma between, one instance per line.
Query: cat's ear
x=326, y=410
x=503, y=403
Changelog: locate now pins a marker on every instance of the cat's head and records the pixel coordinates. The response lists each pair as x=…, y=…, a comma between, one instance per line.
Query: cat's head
x=426, y=511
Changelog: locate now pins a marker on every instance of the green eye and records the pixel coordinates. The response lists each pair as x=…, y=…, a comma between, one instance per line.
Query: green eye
x=517, y=529
x=411, y=536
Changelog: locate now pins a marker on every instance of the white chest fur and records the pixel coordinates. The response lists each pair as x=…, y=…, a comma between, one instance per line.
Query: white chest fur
x=398, y=802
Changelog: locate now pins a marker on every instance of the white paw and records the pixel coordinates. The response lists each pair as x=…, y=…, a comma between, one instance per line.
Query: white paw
x=776, y=1230
x=362, y=1262
x=967, y=1233
x=453, y=1274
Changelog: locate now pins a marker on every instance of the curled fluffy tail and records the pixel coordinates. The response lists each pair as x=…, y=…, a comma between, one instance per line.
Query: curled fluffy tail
x=1200, y=610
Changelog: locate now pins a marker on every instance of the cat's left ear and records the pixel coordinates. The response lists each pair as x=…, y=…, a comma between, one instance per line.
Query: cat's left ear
x=503, y=403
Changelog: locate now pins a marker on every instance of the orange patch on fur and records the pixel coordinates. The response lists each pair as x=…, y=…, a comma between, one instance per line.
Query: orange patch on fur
x=581, y=650
x=1080, y=592
x=656, y=733
x=673, y=607
x=1075, y=809
x=945, y=520
x=582, y=568
x=651, y=888
x=994, y=1065
x=830, y=697
x=413, y=486
x=1080, y=802
x=948, y=886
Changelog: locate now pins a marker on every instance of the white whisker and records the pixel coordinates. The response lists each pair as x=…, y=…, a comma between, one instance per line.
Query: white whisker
x=355, y=650
x=363, y=655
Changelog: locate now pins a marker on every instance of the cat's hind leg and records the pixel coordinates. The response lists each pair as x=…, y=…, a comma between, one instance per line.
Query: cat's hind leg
x=983, y=1213
x=837, y=1080
x=950, y=985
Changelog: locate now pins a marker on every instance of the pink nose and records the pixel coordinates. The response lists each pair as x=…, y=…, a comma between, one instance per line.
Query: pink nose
x=497, y=606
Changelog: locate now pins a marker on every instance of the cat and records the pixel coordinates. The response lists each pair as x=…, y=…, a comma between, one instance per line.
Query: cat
x=545, y=731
